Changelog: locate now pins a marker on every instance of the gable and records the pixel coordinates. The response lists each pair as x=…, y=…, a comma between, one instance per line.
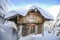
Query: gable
x=31, y=17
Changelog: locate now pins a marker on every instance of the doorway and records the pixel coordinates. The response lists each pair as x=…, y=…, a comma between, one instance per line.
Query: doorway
x=31, y=29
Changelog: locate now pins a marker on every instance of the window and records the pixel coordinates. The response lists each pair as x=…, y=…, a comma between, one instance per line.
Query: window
x=31, y=15
x=34, y=16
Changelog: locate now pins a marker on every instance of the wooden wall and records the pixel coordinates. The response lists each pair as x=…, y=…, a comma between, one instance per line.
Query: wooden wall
x=31, y=17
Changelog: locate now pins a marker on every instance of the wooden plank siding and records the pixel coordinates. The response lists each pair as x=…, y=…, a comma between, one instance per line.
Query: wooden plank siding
x=31, y=17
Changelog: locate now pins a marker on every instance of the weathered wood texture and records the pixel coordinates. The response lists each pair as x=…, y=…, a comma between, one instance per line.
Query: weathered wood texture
x=30, y=21
x=31, y=17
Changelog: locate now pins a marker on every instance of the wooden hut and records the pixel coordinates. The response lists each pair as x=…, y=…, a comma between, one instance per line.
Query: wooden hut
x=31, y=22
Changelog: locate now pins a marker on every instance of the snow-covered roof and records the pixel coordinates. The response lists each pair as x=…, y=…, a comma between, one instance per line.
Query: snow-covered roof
x=24, y=13
x=10, y=14
x=43, y=12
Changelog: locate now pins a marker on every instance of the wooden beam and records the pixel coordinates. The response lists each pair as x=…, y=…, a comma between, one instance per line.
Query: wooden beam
x=36, y=29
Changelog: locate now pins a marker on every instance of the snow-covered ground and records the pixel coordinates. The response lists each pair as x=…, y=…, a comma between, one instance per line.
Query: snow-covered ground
x=6, y=32
x=47, y=36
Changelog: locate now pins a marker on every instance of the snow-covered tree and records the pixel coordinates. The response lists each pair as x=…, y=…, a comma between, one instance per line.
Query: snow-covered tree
x=57, y=25
x=3, y=7
x=48, y=26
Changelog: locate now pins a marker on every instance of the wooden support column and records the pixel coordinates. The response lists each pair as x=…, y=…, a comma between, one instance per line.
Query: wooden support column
x=20, y=31
x=36, y=29
x=29, y=30
x=42, y=29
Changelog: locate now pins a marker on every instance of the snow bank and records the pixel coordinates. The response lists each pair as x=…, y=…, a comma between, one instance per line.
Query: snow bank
x=6, y=32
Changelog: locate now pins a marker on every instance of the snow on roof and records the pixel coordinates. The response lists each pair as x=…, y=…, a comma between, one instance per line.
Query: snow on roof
x=24, y=12
x=14, y=13
x=11, y=13
x=43, y=12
